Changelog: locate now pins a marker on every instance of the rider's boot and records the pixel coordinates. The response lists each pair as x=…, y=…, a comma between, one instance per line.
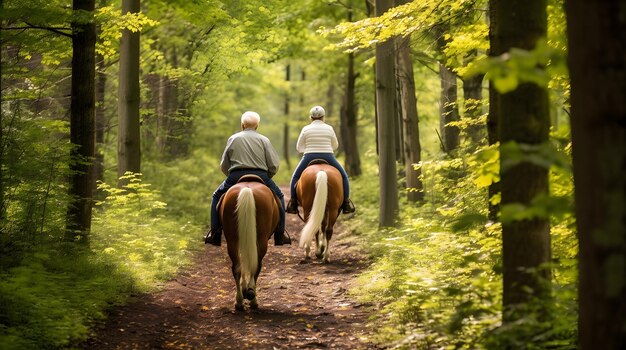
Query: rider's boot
x=348, y=207
x=280, y=238
x=214, y=237
x=292, y=207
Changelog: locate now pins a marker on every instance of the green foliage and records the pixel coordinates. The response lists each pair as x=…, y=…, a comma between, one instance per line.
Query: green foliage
x=54, y=294
x=133, y=229
x=402, y=21
x=436, y=280
x=51, y=298
x=112, y=22
x=518, y=66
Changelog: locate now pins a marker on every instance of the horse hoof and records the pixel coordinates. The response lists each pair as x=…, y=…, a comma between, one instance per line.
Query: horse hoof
x=250, y=294
x=254, y=305
x=239, y=307
x=319, y=255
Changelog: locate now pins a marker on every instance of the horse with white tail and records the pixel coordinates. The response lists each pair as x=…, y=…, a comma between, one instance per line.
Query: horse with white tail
x=320, y=192
x=249, y=214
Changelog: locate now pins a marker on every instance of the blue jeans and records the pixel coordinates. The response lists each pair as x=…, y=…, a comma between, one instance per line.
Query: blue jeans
x=231, y=180
x=306, y=159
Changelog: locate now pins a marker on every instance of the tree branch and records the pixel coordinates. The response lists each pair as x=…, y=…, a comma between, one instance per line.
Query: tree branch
x=56, y=30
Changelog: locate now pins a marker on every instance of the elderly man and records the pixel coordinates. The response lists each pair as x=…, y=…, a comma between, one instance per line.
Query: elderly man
x=247, y=152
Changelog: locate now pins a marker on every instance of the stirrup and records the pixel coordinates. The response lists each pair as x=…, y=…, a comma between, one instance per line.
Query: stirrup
x=213, y=237
x=291, y=208
x=348, y=207
x=285, y=239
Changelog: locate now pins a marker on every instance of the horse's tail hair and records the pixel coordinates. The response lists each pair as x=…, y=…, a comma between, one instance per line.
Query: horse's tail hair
x=246, y=221
x=314, y=224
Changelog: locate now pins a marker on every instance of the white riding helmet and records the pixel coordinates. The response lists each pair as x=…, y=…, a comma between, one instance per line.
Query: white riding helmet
x=317, y=112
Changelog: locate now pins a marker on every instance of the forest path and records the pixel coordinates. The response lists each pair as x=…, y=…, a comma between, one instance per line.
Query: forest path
x=302, y=305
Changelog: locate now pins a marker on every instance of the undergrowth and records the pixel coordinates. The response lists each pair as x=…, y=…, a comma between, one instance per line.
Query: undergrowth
x=54, y=294
x=436, y=280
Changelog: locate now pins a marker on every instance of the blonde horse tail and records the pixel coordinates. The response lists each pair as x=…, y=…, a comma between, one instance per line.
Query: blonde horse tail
x=314, y=224
x=246, y=221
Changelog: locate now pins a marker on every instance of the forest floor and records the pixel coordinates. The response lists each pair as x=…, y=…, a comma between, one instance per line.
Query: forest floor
x=302, y=305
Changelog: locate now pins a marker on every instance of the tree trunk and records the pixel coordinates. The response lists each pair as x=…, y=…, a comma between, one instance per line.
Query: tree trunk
x=448, y=109
x=82, y=114
x=412, y=147
x=101, y=123
x=525, y=120
x=385, y=106
x=2, y=205
x=175, y=142
x=473, y=96
x=399, y=125
x=286, y=126
x=350, y=144
x=129, y=145
x=597, y=68
x=493, y=118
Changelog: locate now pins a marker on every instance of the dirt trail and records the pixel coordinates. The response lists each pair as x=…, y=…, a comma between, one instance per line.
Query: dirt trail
x=302, y=305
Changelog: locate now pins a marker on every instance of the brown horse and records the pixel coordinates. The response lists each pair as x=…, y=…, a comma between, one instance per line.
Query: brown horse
x=320, y=192
x=249, y=214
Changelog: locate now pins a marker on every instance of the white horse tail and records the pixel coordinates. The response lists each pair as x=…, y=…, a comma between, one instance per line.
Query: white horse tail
x=246, y=220
x=314, y=224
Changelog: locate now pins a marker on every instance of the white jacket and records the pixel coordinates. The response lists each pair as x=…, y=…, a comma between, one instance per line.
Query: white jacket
x=317, y=137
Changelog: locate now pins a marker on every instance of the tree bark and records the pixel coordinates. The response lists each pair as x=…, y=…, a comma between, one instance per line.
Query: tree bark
x=2, y=205
x=82, y=114
x=129, y=145
x=473, y=96
x=448, y=109
x=525, y=120
x=101, y=124
x=597, y=65
x=350, y=144
x=412, y=147
x=286, y=125
x=385, y=107
x=493, y=118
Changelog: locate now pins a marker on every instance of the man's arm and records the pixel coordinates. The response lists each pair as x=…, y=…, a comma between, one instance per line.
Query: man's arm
x=271, y=156
x=301, y=144
x=225, y=163
x=333, y=140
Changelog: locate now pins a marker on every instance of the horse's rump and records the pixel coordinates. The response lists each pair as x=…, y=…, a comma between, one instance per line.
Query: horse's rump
x=249, y=214
x=306, y=186
x=320, y=192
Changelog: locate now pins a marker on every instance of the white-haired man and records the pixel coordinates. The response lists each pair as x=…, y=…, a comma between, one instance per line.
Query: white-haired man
x=247, y=152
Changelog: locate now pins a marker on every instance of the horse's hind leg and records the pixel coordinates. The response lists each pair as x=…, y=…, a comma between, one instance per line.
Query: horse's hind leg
x=239, y=296
x=320, y=242
x=327, y=235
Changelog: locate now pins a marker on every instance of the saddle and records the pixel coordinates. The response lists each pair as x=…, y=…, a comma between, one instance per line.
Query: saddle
x=249, y=178
x=313, y=162
x=317, y=161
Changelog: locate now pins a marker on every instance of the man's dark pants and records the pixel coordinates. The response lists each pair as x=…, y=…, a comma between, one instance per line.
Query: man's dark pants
x=231, y=180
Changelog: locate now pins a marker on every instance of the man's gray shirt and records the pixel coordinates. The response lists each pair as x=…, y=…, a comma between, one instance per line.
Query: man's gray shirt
x=249, y=150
